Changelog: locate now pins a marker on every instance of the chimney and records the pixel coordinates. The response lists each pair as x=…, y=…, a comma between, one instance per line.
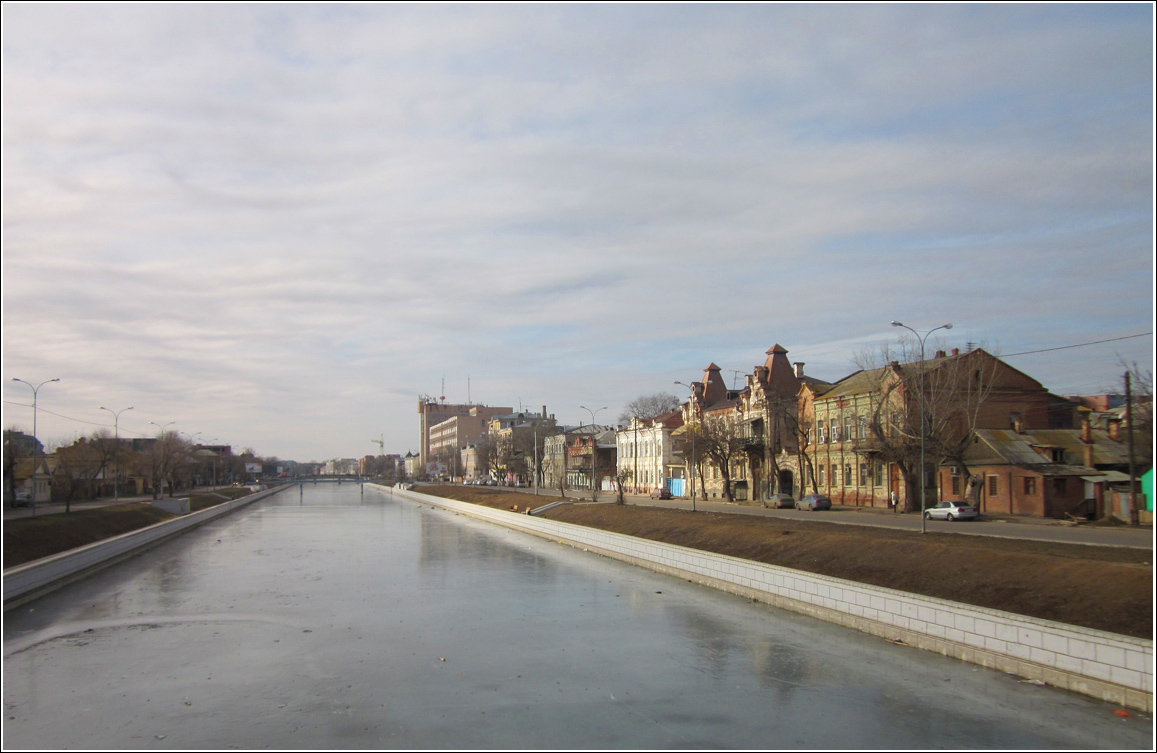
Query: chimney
x=940, y=354
x=956, y=351
x=543, y=414
x=798, y=369
x=1018, y=423
x=1115, y=429
x=1089, y=455
x=1086, y=431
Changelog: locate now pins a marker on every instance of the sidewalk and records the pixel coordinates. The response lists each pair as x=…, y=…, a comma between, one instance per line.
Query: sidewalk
x=52, y=508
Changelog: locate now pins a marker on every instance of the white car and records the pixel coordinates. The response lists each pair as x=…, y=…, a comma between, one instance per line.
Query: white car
x=949, y=510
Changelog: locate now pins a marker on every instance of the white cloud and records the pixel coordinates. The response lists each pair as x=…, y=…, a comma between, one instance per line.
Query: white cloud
x=281, y=224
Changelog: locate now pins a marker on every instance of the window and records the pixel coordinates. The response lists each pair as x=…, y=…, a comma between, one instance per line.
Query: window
x=1058, y=455
x=863, y=474
x=1029, y=485
x=863, y=427
x=847, y=475
x=834, y=470
x=955, y=485
x=879, y=474
x=895, y=425
x=993, y=485
x=848, y=419
x=821, y=475
x=821, y=426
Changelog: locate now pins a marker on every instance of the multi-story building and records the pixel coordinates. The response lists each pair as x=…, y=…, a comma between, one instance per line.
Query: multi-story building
x=646, y=451
x=590, y=458
x=864, y=430
x=431, y=412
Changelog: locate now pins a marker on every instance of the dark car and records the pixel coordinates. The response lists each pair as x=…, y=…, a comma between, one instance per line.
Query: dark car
x=814, y=502
x=663, y=493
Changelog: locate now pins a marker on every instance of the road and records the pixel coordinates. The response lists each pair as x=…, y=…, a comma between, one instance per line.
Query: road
x=1013, y=527
x=331, y=618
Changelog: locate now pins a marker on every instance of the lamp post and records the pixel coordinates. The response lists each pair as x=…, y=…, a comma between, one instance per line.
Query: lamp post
x=691, y=469
x=923, y=428
x=35, y=443
x=35, y=391
x=594, y=445
x=116, y=484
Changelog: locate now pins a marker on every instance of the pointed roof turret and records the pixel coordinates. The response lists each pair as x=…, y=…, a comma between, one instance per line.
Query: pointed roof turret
x=714, y=388
x=781, y=376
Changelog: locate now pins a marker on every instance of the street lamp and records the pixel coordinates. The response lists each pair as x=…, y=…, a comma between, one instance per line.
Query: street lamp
x=35, y=390
x=691, y=469
x=35, y=443
x=923, y=428
x=594, y=445
x=116, y=484
x=161, y=433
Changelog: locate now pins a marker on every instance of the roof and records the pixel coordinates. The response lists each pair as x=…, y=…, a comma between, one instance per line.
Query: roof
x=1005, y=446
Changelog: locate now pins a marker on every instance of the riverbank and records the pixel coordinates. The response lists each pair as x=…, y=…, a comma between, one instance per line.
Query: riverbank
x=1103, y=588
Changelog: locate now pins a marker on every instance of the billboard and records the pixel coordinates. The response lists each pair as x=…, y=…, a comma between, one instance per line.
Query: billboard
x=253, y=467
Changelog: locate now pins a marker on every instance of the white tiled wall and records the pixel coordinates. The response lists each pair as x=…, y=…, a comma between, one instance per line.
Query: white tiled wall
x=34, y=578
x=1113, y=667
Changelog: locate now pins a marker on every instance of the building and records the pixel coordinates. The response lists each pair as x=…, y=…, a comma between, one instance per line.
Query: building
x=1051, y=473
x=866, y=426
x=431, y=412
x=646, y=452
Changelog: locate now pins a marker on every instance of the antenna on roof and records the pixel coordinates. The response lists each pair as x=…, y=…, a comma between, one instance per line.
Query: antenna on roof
x=735, y=378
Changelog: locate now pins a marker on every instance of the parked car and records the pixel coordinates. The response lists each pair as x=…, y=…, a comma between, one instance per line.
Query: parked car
x=779, y=500
x=814, y=502
x=23, y=498
x=661, y=493
x=949, y=510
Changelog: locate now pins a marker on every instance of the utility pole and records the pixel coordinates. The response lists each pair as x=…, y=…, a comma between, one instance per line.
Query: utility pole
x=1134, y=514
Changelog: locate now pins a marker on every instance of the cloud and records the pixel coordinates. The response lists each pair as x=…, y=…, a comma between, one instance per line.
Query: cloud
x=283, y=224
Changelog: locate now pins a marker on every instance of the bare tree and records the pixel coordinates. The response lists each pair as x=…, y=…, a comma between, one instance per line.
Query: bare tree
x=80, y=464
x=648, y=406
x=718, y=437
x=622, y=477
x=1141, y=389
x=954, y=390
x=161, y=461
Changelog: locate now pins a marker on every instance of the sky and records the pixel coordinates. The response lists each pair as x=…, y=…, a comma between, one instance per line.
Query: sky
x=276, y=226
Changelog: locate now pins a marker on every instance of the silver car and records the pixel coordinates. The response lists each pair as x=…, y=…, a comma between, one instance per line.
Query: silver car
x=949, y=510
x=779, y=500
x=814, y=502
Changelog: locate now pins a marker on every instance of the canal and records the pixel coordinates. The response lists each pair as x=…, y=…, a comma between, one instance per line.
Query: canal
x=340, y=618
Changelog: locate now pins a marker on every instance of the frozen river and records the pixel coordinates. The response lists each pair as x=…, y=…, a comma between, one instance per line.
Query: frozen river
x=337, y=618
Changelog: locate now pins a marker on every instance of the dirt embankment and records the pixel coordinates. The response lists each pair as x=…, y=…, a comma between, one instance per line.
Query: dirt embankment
x=1104, y=588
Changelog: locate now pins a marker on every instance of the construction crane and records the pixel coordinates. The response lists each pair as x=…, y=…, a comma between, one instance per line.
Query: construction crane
x=381, y=443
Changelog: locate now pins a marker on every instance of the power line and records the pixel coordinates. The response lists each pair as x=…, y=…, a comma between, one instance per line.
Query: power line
x=70, y=418
x=1078, y=345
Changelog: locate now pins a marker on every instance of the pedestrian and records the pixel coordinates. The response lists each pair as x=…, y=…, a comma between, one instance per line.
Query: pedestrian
x=893, y=502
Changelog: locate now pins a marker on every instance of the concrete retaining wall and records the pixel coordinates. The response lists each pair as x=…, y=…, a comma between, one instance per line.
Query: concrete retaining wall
x=1114, y=668
x=34, y=579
